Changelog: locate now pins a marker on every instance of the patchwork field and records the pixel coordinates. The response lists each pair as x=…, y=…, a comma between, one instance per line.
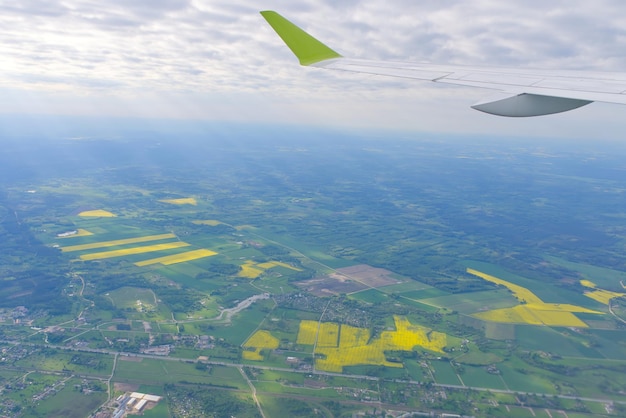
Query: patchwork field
x=338, y=346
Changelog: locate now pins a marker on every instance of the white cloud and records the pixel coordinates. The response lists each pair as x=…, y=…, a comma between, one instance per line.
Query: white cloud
x=218, y=58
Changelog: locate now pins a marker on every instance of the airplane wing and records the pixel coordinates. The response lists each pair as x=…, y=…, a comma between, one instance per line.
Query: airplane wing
x=521, y=92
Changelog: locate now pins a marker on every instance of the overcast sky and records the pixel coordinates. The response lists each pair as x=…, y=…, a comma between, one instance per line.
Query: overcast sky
x=219, y=60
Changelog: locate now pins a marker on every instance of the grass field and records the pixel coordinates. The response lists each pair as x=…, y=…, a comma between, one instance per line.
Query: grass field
x=87, y=363
x=604, y=277
x=243, y=324
x=428, y=293
x=114, y=243
x=164, y=371
x=370, y=296
x=444, y=373
x=525, y=380
x=80, y=232
x=133, y=297
x=479, y=377
x=69, y=403
x=475, y=301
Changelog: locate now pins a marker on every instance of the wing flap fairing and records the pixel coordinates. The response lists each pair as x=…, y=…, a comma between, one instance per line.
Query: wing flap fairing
x=525, y=105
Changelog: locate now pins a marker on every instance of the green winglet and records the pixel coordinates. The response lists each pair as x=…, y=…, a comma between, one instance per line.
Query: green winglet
x=308, y=49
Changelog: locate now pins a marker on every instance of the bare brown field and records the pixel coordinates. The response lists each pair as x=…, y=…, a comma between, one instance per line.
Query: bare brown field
x=334, y=284
x=370, y=276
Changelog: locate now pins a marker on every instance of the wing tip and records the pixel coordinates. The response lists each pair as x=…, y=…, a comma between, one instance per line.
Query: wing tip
x=305, y=47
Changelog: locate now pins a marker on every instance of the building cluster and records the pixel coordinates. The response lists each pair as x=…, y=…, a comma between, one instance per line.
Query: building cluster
x=134, y=402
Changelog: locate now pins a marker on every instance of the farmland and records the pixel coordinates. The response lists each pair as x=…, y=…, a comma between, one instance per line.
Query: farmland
x=98, y=213
x=181, y=201
x=532, y=310
x=328, y=278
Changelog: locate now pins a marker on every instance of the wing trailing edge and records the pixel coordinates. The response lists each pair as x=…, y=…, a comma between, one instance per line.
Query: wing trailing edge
x=523, y=92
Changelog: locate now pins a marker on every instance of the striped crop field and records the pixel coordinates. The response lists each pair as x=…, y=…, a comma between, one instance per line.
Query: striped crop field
x=132, y=251
x=97, y=214
x=114, y=243
x=177, y=258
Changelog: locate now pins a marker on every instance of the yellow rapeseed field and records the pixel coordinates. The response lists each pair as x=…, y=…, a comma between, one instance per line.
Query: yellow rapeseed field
x=249, y=270
x=603, y=296
x=355, y=348
x=262, y=339
x=588, y=283
x=271, y=264
x=97, y=214
x=328, y=335
x=533, y=310
x=114, y=243
x=181, y=201
x=521, y=293
x=258, y=341
x=134, y=250
x=353, y=336
x=307, y=333
x=600, y=295
x=254, y=355
x=210, y=222
x=177, y=258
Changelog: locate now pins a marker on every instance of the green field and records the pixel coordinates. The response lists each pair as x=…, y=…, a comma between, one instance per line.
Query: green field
x=444, y=373
x=68, y=402
x=479, y=377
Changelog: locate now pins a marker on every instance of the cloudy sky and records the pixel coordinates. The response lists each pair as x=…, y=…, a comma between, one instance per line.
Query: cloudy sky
x=218, y=60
